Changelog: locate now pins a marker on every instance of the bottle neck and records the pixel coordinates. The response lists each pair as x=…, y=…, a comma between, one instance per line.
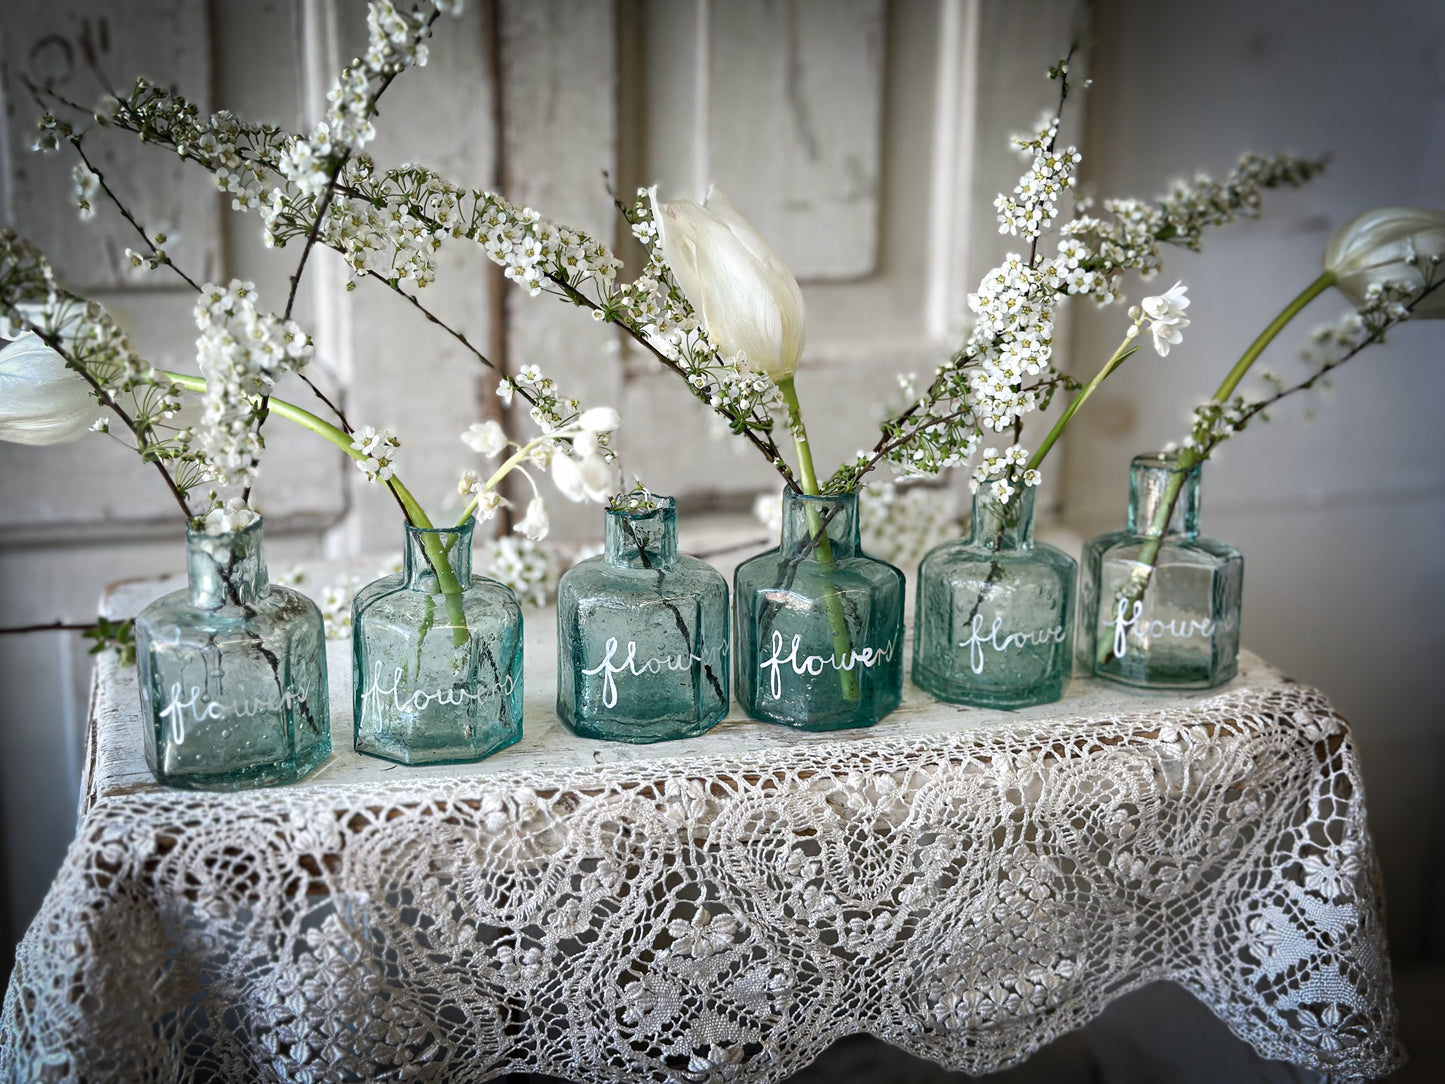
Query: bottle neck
x=643, y=539
x=804, y=517
x=1153, y=480
x=1003, y=525
x=452, y=544
x=226, y=569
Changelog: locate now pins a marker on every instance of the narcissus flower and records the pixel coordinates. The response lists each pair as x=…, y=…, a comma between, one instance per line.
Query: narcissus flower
x=748, y=299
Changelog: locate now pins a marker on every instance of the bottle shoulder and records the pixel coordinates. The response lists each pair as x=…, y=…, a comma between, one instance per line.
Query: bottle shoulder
x=961, y=552
x=770, y=568
x=1126, y=546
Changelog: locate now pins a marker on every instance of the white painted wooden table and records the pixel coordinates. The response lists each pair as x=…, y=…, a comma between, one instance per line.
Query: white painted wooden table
x=965, y=884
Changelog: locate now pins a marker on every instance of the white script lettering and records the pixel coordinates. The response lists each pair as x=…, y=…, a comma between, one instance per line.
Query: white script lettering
x=813, y=665
x=629, y=665
x=200, y=709
x=1180, y=629
x=976, y=641
x=409, y=701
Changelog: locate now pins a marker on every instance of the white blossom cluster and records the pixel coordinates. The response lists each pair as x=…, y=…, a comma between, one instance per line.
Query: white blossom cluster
x=1035, y=201
x=378, y=448
x=394, y=43
x=1005, y=367
x=529, y=568
x=1002, y=472
x=241, y=352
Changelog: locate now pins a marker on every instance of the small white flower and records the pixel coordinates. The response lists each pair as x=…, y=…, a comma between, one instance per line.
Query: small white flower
x=587, y=479
x=488, y=501
x=235, y=515
x=487, y=437
x=535, y=523
x=1166, y=317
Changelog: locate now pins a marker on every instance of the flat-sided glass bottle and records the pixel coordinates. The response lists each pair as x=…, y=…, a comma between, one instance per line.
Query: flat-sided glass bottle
x=1160, y=603
x=818, y=624
x=438, y=656
x=232, y=672
x=642, y=635
x=994, y=622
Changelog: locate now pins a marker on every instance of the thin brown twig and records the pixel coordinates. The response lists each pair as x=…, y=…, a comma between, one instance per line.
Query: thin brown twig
x=54, y=626
x=767, y=447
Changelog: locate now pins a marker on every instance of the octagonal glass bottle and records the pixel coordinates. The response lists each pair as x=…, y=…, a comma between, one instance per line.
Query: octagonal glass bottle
x=438, y=656
x=818, y=624
x=232, y=672
x=1160, y=603
x=642, y=635
x=994, y=621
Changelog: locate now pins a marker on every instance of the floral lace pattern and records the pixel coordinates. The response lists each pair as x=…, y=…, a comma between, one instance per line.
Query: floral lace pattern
x=967, y=897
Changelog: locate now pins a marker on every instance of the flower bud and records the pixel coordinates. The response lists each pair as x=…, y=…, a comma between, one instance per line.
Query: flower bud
x=1388, y=244
x=42, y=401
x=748, y=299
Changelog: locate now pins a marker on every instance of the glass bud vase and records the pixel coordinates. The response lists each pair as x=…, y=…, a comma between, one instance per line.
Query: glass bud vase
x=818, y=624
x=994, y=622
x=642, y=635
x=232, y=673
x=438, y=656
x=1172, y=625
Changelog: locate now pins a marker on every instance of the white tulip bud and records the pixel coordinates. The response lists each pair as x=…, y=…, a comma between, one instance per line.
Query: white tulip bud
x=42, y=401
x=1379, y=246
x=748, y=299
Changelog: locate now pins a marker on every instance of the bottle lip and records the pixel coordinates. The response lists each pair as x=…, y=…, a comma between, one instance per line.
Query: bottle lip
x=664, y=504
x=1163, y=461
x=465, y=525
x=819, y=498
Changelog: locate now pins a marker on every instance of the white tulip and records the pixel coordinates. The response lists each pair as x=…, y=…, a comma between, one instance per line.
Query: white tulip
x=535, y=523
x=1378, y=247
x=587, y=479
x=42, y=401
x=748, y=299
x=489, y=438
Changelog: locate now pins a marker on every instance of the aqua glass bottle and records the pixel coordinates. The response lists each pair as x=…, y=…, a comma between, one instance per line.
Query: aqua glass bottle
x=438, y=656
x=1160, y=603
x=818, y=624
x=994, y=620
x=642, y=635
x=232, y=672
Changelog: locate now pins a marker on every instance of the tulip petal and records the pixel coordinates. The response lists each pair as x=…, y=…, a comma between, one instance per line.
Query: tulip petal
x=42, y=401
x=1376, y=247
x=747, y=298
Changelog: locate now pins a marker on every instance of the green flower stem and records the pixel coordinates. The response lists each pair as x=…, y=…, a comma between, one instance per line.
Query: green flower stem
x=1190, y=457
x=832, y=603
x=451, y=587
x=1126, y=348
x=501, y=472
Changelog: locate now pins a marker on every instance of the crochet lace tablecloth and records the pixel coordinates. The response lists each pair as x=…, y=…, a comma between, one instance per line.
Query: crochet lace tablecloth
x=965, y=884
